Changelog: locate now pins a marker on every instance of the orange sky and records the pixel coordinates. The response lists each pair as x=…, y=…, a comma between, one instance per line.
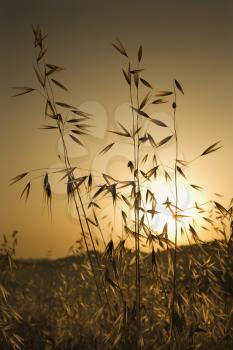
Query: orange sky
x=186, y=40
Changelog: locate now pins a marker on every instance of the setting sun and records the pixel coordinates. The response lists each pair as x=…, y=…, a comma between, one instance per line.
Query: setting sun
x=165, y=213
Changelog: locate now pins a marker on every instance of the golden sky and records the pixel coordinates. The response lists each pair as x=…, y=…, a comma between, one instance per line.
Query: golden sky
x=187, y=40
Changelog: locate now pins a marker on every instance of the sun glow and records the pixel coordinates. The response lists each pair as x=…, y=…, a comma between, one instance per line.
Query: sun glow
x=165, y=208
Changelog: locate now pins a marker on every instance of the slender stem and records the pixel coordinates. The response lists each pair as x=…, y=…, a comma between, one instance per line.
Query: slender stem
x=138, y=220
x=135, y=192
x=136, y=211
x=176, y=224
x=68, y=166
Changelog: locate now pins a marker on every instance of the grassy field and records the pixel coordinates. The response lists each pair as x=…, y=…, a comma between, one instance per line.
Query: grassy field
x=58, y=307
x=170, y=298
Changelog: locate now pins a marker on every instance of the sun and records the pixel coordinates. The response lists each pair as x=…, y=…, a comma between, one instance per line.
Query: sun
x=165, y=209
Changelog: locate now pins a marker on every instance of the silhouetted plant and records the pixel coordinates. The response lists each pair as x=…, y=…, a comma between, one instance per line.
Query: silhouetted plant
x=162, y=300
x=9, y=317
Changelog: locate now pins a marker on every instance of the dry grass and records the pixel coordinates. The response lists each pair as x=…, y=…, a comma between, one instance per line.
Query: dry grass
x=126, y=299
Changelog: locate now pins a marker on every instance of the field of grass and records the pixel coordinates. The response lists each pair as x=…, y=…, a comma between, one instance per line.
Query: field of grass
x=155, y=295
x=58, y=307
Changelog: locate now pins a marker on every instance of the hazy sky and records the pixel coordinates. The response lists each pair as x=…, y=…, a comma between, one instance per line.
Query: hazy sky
x=187, y=40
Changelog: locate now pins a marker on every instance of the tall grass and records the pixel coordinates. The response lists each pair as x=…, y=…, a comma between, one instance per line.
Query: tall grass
x=140, y=300
x=9, y=317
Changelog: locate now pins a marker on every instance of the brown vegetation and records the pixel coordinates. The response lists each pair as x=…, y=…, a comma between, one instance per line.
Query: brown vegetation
x=126, y=299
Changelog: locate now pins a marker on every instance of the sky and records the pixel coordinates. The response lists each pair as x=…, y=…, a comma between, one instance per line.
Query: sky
x=190, y=41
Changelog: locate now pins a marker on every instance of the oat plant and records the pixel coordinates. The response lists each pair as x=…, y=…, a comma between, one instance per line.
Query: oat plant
x=148, y=294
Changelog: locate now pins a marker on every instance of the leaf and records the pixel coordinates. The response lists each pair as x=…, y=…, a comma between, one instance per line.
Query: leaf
x=127, y=77
x=57, y=117
x=124, y=129
x=25, y=90
x=137, y=131
x=145, y=82
x=78, y=132
x=149, y=194
x=151, y=140
x=46, y=180
x=180, y=171
x=48, y=193
x=65, y=105
x=165, y=140
x=81, y=113
x=144, y=138
x=119, y=133
x=47, y=127
x=93, y=204
x=59, y=84
x=131, y=166
x=142, y=113
x=165, y=230
x=52, y=69
x=136, y=79
x=55, y=67
x=194, y=234
x=120, y=48
x=144, y=159
x=208, y=220
x=41, y=54
x=218, y=194
x=49, y=108
x=39, y=77
x=99, y=191
x=163, y=93
x=140, y=53
x=92, y=222
x=144, y=101
x=76, y=140
x=106, y=149
x=136, y=71
x=152, y=212
x=221, y=208
x=167, y=176
x=38, y=37
x=211, y=149
x=182, y=162
x=75, y=120
x=83, y=126
x=158, y=101
x=152, y=171
x=179, y=87
x=78, y=182
x=127, y=202
x=90, y=180
x=68, y=172
x=108, y=178
x=198, y=188
x=26, y=190
x=158, y=122
x=18, y=178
